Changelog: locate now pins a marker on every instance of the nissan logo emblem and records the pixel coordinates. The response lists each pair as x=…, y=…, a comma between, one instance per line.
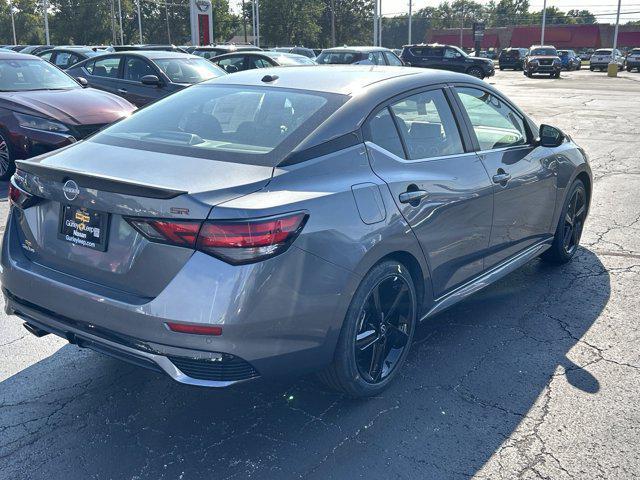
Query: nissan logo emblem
x=70, y=190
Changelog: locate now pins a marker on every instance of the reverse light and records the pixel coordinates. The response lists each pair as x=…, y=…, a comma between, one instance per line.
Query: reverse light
x=233, y=241
x=195, y=329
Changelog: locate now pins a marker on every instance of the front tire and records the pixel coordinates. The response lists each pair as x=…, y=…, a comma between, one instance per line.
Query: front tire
x=376, y=334
x=7, y=165
x=569, y=229
x=476, y=72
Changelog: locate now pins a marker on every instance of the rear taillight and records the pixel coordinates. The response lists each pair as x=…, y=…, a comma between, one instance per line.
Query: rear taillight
x=19, y=197
x=234, y=241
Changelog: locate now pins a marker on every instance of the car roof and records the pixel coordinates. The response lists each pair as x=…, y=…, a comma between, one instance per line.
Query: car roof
x=345, y=79
x=153, y=54
x=356, y=49
x=18, y=56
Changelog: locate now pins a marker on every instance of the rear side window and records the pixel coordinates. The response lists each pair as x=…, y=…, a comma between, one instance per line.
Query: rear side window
x=427, y=125
x=392, y=59
x=106, y=67
x=495, y=124
x=383, y=133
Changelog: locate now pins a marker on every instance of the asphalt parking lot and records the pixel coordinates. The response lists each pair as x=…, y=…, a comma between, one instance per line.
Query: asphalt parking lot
x=537, y=376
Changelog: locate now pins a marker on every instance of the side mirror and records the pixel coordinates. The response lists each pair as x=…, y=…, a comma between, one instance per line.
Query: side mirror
x=550, y=136
x=230, y=68
x=150, y=80
x=83, y=81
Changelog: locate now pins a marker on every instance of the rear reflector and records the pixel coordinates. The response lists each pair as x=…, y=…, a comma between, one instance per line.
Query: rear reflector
x=194, y=329
x=234, y=241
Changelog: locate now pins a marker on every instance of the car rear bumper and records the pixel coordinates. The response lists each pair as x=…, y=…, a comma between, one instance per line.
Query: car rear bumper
x=279, y=318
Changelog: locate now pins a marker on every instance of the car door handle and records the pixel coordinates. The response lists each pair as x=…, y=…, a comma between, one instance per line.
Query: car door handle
x=122, y=90
x=501, y=177
x=413, y=196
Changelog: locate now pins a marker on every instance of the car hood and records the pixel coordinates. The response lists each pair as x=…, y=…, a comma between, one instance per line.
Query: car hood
x=78, y=106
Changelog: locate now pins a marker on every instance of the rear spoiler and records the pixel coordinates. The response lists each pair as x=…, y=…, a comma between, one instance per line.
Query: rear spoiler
x=97, y=182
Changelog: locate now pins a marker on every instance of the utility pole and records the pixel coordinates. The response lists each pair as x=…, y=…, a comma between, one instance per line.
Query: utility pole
x=13, y=24
x=380, y=26
x=120, y=18
x=113, y=23
x=253, y=20
x=244, y=22
x=257, y=23
x=375, y=23
x=612, y=69
x=410, y=14
x=166, y=13
x=46, y=21
x=544, y=21
x=139, y=21
x=461, y=24
x=333, y=23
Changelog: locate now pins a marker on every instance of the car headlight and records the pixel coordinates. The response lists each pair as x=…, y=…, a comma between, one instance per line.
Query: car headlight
x=557, y=61
x=39, y=123
x=533, y=62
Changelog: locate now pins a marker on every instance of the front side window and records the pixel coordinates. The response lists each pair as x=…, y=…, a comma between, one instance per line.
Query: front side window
x=427, y=125
x=433, y=52
x=105, y=67
x=22, y=75
x=392, y=59
x=46, y=56
x=237, y=62
x=383, y=133
x=495, y=124
x=224, y=122
x=136, y=68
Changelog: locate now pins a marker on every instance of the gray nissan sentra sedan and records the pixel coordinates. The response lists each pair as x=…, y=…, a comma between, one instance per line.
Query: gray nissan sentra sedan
x=285, y=221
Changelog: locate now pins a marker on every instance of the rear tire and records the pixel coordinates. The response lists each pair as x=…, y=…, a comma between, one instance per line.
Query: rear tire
x=376, y=334
x=7, y=165
x=569, y=229
x=476, y=72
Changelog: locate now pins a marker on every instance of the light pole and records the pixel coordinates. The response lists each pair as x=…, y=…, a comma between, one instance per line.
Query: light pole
x=257, y=23
x=375, y=23
x=13, y=24
x=333, y=23
x=139, y=21
x=46, y=21
x=461, y=23
x=410, y=13
x=380, y=26
x=544, y=21
x=612, y=69
x=120, y=21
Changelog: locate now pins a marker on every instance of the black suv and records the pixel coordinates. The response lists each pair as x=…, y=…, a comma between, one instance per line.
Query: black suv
x=446, y=57
x=512, y=58
x=543, y=59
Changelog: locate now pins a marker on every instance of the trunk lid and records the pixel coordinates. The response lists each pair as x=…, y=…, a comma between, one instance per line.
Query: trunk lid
x=99, y=187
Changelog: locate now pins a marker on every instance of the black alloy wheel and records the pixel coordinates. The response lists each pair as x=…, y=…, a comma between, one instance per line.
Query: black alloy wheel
x=376, y=333
x=384, y=325
x=6, y=163
x=476, y=72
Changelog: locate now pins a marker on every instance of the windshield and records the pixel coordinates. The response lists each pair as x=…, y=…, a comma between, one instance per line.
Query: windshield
x=343, y=58
x=223, y=122
x=24, y=75
x=292, y=60
x=544, y=52
x=635, y=51
x=188, y=70
x=563, y=53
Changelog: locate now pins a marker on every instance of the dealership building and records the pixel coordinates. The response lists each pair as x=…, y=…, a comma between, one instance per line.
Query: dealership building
x=561, y=36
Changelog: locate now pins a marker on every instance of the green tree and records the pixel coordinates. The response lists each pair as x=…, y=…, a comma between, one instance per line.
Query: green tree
x=290, y=22
x=28, y=19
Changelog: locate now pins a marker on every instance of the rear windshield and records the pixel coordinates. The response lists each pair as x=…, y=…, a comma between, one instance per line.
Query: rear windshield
x=544, y=52
x=188, y=70
x=257, y=125
x=635, y=51
x=602, y=51
x=342, y=58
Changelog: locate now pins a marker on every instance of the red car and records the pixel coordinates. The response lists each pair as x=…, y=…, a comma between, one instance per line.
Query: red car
x=42, y=109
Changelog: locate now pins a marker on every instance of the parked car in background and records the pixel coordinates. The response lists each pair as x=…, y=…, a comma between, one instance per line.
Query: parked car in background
x=248, y=60
x=211, y=51
x=570, y=61
x=307, y=52
x=447, y=57
x=633, y=59
x=142, y=76
x=543, y=59
x=512, y=58
x=146, y=47
x=585, y=55
x=358, y=56
x=36, y=49
x=16, y=48
x=43, y=108
x=248, y=228
x=603, y=56
x=66, y=57
x=188, y=48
